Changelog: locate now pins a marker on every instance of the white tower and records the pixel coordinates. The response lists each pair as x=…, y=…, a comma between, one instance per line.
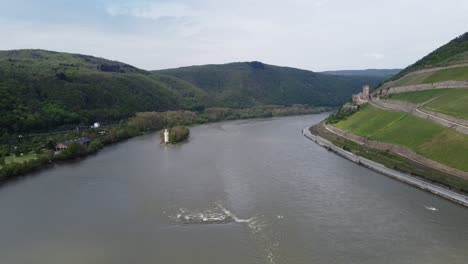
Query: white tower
x=166, y=136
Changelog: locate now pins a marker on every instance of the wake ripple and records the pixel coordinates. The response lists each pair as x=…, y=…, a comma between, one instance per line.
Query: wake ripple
x=266, y=239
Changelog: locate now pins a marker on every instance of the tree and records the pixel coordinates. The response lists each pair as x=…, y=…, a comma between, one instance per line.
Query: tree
x=74, y=150
x=4, y=150
x=95, y=146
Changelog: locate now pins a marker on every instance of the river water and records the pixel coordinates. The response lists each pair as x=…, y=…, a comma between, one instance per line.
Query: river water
x=252, y=191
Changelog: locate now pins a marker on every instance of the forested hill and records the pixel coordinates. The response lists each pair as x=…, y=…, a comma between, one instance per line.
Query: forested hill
x=246, y=84
x=44, y=90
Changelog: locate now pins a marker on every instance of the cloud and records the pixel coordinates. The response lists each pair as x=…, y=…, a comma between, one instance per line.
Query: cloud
x=316, y=35
x=375, y=55
x=152, y=10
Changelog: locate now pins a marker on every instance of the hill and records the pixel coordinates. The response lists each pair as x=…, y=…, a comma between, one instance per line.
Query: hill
x=246, y=84
x=385, y=73
x=454, y=52
x=45, y=90
x=41, y=90
x=422, y=109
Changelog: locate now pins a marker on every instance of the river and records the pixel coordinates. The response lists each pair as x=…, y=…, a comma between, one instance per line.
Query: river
x=252, y=191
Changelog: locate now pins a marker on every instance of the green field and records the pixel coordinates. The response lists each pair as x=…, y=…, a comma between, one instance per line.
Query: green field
x=452, y=102
x=429, y=139
x=20, y=159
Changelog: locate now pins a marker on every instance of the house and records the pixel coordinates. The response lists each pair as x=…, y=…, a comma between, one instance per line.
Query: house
x=64, y=145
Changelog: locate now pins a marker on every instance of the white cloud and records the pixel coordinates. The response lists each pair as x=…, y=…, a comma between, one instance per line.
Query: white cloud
x=316, y=35
x=375, y=55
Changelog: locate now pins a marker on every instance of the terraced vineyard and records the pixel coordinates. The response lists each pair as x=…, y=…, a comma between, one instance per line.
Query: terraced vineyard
x=427, y=138
x=450, y=74
x=452, y=102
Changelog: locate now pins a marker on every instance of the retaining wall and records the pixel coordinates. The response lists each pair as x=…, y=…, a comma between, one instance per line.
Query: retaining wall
x=440, y=191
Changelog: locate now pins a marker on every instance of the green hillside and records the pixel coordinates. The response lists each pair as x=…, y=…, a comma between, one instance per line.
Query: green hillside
x=44, y=90
x=41, y=90
x=247, y=84
x=452, y=102
x=454, y=52
x=429, y=139
x=450, y=74
x=390, y=123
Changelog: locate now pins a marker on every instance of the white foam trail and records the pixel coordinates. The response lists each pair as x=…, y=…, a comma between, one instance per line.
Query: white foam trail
x=219, y=214
x=233, y=216
x=430, y=208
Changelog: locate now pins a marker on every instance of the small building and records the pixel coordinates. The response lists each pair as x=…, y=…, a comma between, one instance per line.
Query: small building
x=64, y=145
x=96, y=125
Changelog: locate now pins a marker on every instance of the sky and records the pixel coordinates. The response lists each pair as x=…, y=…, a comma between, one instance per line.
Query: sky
x=315, y=35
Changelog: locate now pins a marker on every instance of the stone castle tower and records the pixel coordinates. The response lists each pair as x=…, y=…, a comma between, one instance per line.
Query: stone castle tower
x=362, y=97
x=365, y=92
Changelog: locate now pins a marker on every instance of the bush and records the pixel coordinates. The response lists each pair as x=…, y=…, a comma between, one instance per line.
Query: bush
x=95, y=146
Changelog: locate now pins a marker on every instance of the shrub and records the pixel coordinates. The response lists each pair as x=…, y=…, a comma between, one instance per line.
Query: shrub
x=95, y=146
x=177, y=134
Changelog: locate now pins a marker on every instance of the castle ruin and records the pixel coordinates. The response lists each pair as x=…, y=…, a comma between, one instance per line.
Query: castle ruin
x=362, y=97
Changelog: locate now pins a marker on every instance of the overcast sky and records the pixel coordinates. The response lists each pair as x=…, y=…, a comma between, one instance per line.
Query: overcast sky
x=310, y=34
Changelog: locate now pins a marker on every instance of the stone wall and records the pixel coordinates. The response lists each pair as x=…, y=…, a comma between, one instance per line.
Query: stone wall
x=395, y=105
x=387, y=85
x=438, y=190
x=428, y=86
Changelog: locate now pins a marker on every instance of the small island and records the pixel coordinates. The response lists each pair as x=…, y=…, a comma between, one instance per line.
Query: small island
x=174, y=134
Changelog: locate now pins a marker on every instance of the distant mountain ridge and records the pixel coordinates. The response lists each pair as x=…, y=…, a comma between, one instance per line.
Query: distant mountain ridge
x=245, y=84
x=367, y=72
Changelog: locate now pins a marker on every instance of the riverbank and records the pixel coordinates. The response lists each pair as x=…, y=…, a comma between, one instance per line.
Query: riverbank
x=435, y=189
x=141, y=124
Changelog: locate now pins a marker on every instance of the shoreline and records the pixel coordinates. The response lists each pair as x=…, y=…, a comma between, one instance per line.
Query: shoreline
x=415, y=182
x=28, y=168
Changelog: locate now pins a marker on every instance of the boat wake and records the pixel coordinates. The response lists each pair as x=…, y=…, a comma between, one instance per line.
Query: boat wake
x=265, y=238
x=431, y=208
x=216, y=215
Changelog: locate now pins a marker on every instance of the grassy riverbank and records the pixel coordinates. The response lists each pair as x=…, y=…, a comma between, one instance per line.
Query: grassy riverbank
x=393, y=161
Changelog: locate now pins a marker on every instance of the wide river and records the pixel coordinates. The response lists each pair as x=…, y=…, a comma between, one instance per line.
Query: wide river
x=238, y=192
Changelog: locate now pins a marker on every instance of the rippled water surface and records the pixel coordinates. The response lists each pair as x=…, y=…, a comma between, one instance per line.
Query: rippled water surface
x=238, y=192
